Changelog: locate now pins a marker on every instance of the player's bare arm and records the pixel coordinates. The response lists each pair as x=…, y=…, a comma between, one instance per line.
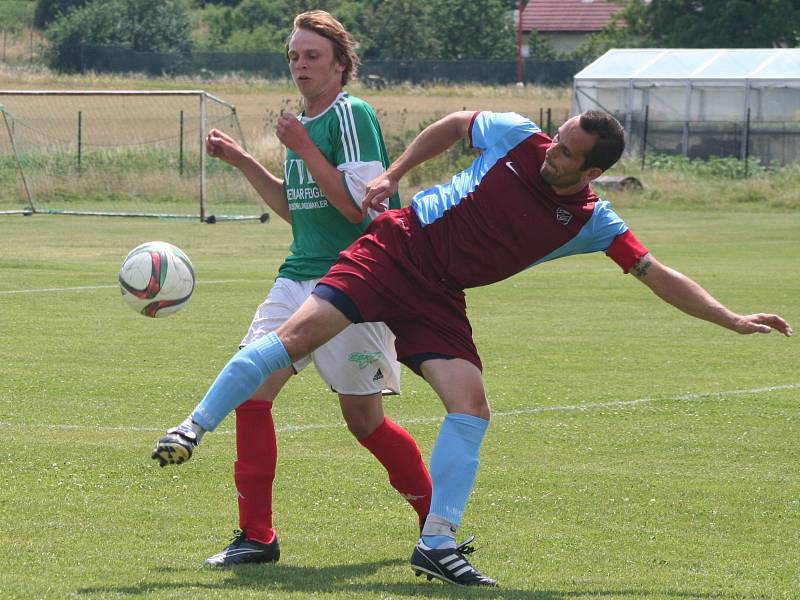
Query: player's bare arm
x=222, y=146
x=431, y=141
x=687, y=295
x=293, y=135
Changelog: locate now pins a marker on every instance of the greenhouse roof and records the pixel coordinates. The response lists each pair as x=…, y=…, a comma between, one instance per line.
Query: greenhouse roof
x=654, y=63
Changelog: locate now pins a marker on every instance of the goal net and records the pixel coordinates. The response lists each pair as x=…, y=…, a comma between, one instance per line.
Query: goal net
x=136, y=153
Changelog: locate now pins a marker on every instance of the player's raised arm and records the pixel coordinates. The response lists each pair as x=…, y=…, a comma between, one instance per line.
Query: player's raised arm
x=222, y=146
x=431, y=141
x=690, y=297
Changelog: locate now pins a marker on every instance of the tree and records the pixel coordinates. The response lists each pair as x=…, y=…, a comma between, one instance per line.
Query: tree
x=597, y=44
x=47, y=11
x=715, y=23
x=477, y=30
x=403, y=29
x=539, y=47
x=262, y=25
x=387, y=29
x=205, y=3
x=142, y=25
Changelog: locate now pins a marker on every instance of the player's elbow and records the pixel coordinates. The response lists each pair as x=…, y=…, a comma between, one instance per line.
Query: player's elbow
x=460, y=121
x=348, y=208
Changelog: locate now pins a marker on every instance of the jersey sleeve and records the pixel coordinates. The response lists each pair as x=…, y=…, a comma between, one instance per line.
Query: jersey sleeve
x=489, y=129
x=360, y=156
x=357, y=176
x=626, y=250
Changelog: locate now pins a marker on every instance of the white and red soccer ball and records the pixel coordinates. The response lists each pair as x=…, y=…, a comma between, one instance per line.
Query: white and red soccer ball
x=156, y=279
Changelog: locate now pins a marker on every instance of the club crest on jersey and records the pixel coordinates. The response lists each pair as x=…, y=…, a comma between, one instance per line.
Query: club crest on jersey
x=563, y=216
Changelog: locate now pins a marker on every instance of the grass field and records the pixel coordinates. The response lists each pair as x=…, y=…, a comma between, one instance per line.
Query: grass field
x=634, y=452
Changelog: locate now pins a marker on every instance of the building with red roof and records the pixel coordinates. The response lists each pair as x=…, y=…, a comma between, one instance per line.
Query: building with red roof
x=566, y=23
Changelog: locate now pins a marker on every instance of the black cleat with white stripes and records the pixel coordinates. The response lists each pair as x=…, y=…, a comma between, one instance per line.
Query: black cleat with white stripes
x=244, y=551
x=176, y=447
x=448, y=564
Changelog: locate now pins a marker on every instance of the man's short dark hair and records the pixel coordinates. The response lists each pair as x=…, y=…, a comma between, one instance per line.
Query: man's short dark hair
x=610, y=141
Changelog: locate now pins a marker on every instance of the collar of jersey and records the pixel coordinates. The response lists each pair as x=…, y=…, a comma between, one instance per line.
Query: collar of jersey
x=304, y=119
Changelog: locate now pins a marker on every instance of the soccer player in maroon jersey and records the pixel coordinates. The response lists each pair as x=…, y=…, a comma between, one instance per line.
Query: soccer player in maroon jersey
x=524, y=200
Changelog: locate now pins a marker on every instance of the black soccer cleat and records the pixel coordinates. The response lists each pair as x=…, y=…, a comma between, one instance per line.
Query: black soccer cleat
x=176, y=446
x=243, y=551
x=448, y=564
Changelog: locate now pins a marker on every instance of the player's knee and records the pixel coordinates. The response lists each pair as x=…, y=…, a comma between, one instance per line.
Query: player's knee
x=481, y=409
x=476, y=406
x=296, y=343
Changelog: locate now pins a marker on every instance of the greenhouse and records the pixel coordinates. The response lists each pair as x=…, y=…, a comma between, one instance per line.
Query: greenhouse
x=699, y=102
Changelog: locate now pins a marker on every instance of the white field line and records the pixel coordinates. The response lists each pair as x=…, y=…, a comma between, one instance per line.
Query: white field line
x=83, y=288
x=626, y=403
x=434, y=420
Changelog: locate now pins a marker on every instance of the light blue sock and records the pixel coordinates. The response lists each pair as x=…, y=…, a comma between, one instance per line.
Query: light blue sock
x=454, y=466
x=239, y=379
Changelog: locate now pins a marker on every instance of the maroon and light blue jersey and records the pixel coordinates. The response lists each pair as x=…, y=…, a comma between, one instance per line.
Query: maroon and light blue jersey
x=499, y=217
x=492, y=220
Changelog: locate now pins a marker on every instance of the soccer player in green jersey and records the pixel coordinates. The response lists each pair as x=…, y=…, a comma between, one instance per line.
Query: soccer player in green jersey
x=334, y=148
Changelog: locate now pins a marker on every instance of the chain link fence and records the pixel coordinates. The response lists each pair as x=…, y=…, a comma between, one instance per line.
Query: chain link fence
x=271, y=65
x=775, y=143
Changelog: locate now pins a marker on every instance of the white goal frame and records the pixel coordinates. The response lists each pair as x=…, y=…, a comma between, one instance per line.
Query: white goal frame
x=203, y=98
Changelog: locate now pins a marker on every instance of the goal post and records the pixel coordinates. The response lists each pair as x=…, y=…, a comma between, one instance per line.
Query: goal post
x=28, y=210
x=120, y=153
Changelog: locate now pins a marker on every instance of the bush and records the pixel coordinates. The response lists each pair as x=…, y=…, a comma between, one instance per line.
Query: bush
x=440, y=168
x=729, y=167
x=15, y=15
x=48, y=11
x=141, y=25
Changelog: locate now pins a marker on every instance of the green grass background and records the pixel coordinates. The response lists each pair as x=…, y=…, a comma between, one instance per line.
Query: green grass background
x=583, y=492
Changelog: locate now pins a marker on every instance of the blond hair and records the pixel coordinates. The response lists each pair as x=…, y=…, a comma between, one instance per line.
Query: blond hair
x=324, y=24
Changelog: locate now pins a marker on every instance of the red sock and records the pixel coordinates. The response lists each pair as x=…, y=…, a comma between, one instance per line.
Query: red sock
x=254, y=470
x=397, y=451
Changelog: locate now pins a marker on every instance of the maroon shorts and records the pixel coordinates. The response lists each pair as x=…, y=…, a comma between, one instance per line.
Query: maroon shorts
x=385, y=275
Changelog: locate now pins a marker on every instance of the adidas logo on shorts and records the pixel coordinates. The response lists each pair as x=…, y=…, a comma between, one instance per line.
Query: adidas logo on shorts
x=378, y=375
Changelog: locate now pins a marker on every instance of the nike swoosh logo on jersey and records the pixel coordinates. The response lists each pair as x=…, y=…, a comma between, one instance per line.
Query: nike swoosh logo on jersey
x=510, y=165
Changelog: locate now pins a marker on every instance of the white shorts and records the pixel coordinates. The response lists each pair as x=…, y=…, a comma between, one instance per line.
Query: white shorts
x=361, y=360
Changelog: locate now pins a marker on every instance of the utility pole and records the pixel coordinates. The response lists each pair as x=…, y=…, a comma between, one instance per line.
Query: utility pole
x=519, y=42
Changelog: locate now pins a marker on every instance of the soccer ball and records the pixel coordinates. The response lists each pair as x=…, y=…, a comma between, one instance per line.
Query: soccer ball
x=156, y=279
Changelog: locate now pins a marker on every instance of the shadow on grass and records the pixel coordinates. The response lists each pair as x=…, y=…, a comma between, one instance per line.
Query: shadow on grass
x=343, y=579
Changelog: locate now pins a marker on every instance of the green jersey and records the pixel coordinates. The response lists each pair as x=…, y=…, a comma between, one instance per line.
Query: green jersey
x=349, y=136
